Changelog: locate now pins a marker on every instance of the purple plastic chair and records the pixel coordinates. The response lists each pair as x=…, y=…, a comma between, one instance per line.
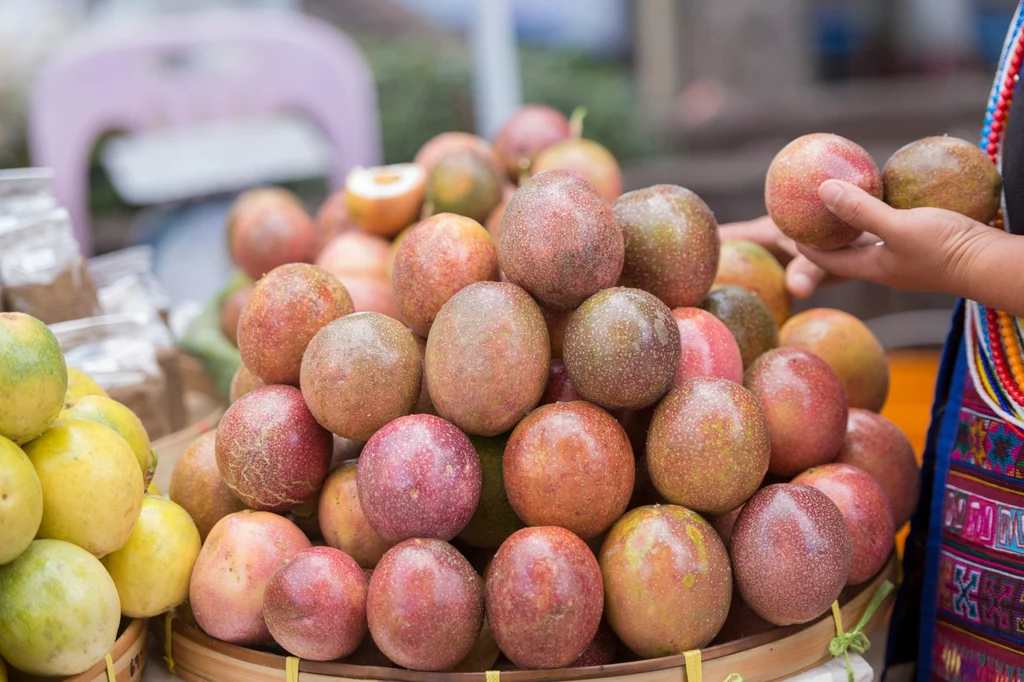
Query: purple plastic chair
x=175, y=71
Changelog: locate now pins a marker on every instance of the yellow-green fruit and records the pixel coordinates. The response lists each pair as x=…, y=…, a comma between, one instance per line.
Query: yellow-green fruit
x=92, y=486
x=33, y=377
x=21, y=501
x=494, y=519
x=3, y=671
x=153, y=568
x=59, y=610
x=80, y=385
x=152, y=489
x=116, y=416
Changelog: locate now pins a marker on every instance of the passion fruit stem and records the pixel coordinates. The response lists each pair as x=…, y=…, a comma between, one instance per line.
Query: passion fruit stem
x=524, y=169
x=428, y=210
x=576, y=122
x=855, y=639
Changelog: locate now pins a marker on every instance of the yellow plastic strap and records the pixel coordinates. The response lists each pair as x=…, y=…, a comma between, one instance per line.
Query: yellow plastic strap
x=493, y=676
x=291, y=669
x=693, y=666
x=168, y=648
x=111, y=675
x=695, y=672
x=855, y=640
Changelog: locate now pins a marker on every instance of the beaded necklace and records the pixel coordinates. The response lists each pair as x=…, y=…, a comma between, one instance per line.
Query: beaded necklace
x=995, y=340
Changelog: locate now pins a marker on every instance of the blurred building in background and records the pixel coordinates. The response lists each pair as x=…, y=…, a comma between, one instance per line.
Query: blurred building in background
x=701, y=93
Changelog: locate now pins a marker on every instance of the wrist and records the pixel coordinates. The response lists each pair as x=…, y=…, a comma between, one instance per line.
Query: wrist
x=987, y=268
x=959, y=270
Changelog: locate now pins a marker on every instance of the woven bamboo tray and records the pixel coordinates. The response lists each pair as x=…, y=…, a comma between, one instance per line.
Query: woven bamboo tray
x=205, y=408
x=769, y=656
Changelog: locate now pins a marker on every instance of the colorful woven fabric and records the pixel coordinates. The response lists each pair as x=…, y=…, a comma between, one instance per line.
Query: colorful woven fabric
x=960, y=613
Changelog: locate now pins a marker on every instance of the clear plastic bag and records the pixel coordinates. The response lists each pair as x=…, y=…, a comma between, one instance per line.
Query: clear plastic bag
x=125, y=282
x=43, y=271
x=132, y=356
x=23, y=192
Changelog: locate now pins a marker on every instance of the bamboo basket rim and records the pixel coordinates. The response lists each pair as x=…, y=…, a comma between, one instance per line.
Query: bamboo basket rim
x=195, y=381
x=136, y=630
x=852, y=610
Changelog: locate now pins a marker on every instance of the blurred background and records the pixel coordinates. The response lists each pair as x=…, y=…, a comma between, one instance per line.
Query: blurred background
x=700, y=93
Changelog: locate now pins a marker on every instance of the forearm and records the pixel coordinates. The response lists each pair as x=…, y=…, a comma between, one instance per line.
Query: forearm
x=994, y=274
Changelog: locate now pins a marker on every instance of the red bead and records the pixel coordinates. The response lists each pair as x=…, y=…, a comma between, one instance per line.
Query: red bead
x=1016, y=61
x=998, y=115
x=993, y=136
x=996, y=126
x=991, y=149
x=1018, y=49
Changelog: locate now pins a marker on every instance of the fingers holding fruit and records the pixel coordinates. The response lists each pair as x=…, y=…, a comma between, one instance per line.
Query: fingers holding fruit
x=915, y=249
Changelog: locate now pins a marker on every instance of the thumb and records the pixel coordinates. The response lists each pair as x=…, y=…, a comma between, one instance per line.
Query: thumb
x=856, y=207
x=803, y=277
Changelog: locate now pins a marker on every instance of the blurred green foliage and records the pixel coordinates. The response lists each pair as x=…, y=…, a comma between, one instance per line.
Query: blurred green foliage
x=423, y=91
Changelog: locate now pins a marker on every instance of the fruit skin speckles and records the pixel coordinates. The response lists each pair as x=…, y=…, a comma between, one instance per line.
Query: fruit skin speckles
x=570, y=465
x=560, y=240
x=754, y=268
x=708, y=445
x=866, y=510
x=622, y=349
x=805, y=405
x=439, y=257
x=544, y=597
x=287, y=308
x=791, y=553
x=944, y=172
x=747, y=317
x=359, y=373
x=241, y=553
x=487, y=358
x=425, y=605
x=850, y=349
x=418, y=477
x=791, y=187
x=667, y=579
x=672, y=243
x=271, y=452
x=876, y=445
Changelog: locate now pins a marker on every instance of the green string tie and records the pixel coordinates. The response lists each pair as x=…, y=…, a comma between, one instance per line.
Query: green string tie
x=855, y=640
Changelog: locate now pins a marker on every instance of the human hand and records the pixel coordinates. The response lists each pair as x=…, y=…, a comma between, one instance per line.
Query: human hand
x=802, y=276
x=920, y=249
